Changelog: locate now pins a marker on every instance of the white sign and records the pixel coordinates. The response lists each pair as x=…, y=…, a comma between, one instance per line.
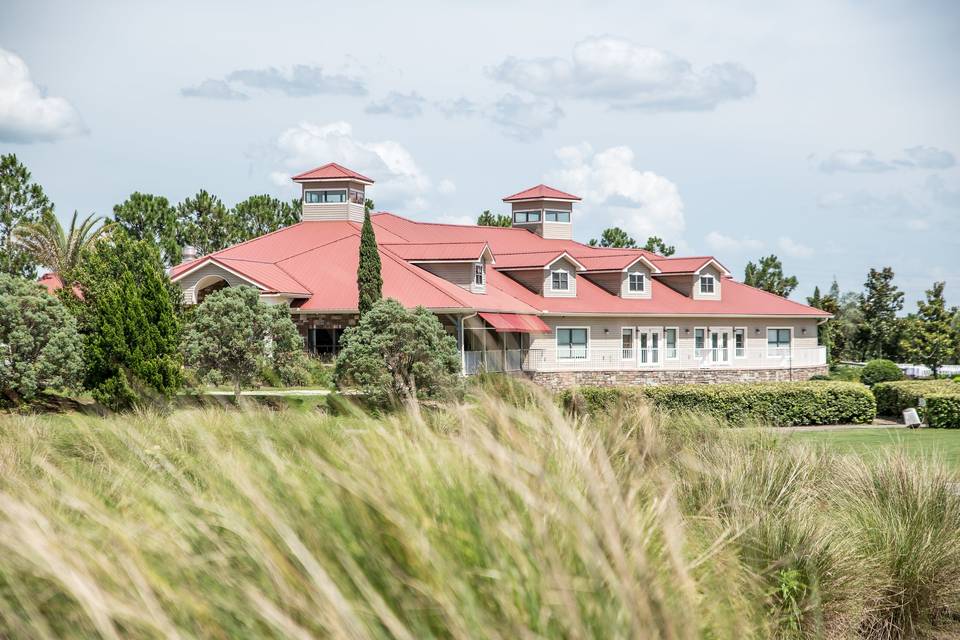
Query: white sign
x=910, y=418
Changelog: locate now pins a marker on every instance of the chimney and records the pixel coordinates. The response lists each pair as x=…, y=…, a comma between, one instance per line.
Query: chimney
x=546, y=211
x=189, y=253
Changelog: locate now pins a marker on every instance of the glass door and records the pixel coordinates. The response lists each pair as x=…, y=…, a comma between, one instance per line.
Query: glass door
x=720, y=346
x=626, y=344
x=648, y=346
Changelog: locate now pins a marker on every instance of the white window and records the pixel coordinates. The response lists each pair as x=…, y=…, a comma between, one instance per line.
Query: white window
x=706, y=284
x=740, y=343
x=526, y=216
x=637, y=283
x=626, y=343
x=670, y=337
x=559, y=281
x=478, y=274
x=322, y=197
x=556, y=216
x=699, y=340
x=356, y=196
x=572, y=343
x=778, y=341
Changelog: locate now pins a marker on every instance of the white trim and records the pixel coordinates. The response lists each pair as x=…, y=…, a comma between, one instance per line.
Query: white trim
x=564, y=272
x=569, y=216
x=569, y=258
x=341, y=179
x=653, y=268
x=706, y=336
x=542, y=199
x=215, y=262
x=722, y=269
x=482, y=273
x=650, y=331
x=766, y=343
x=633, y=341
x=713, y=284
x=556, y=343
x=345, y=190
x=735, y=356
x=513, y=216
x=643, y=282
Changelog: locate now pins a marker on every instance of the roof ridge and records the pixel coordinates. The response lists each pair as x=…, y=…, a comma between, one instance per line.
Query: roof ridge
x=314, y=248
x=240, y=244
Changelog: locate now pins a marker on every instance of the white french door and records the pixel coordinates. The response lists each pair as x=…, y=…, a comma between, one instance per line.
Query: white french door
x=720, y=346
x=648, y=347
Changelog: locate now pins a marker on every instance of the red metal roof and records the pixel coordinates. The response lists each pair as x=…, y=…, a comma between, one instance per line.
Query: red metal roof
x=318, y=261
x=541, y=191
x=331, y=171
x=510, y=322
x=684, y=265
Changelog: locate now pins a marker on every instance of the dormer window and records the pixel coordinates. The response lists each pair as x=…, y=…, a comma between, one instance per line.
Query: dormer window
x=323, y=197
x=526, y=216
x=637, y=282
x=560, y=281
x=556, y=216
x=706, y=284
x=478, y=274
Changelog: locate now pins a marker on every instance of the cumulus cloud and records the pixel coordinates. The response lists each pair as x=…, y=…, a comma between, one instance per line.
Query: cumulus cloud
x=864, y=161
x=401, y=105
x=628, y=76
x=854, y=161
x=617, y=193
x=720, y=242
x=399, y=179
x=524, y=119
x=794, y=249
x=27, y=114
x=446, y=187
x=213, y=89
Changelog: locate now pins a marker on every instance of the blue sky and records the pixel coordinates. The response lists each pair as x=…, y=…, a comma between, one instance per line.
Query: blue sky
x=825, y=132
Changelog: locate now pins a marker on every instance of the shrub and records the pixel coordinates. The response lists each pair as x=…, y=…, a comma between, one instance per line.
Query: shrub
x=775, y=403
x=943, y=410
x=894, y=397
x=40, y=347
x=394, y=354
x=235, y=336
x=880, y=371
x=820, y=377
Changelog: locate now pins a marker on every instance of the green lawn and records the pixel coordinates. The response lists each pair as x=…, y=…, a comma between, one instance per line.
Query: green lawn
x=942, y=443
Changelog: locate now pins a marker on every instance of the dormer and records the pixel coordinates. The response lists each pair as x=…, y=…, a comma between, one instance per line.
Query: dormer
x=697, y=278
x=464, y=264
x=332, y=192
x=626, y=276
x=552, y=275
x=546, y=211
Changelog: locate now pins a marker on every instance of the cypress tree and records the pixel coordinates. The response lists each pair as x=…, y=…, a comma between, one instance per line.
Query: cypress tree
x=369, y=279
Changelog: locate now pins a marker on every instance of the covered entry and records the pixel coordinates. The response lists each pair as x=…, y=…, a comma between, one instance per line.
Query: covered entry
x=495, y=342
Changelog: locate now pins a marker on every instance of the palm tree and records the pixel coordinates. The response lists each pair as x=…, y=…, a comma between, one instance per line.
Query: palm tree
x=61, y=252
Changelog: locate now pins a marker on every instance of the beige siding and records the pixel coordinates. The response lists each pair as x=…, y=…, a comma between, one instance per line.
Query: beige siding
x=605, y=332
x=335, y=210
x=530, y=278
x=560, y=265
x=625, y=282
x=717, y=277
x=552, y=230
x=612, y=281
x=459, y=273
x=188, y=284
x=681, y=284
x=557, y=230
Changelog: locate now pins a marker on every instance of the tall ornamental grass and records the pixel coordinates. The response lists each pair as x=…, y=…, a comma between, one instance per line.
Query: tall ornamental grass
x=496, y=518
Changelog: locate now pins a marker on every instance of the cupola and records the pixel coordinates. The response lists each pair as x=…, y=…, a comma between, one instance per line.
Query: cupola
x=546, y=211
x=333, y=192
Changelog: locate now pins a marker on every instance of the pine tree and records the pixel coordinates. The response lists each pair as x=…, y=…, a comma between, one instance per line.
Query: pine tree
x=826, y=302
x=369, y=278
x=488, y=219
x=21, y=202
x=658, y=246
x=931, y=338
x=130, y=330
x=879, y=329
x=767, y=274
x=614, y=237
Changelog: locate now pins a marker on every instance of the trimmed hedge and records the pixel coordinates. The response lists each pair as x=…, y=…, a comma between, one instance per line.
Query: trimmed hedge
x=894, y=397
x=880, y=370
x=774, y=403
x=943, y=410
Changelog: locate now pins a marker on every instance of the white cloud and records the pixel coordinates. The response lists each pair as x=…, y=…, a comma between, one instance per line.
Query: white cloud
x=401, y=105
x=615, y=192
x=626, y=75
x=213, y=89
x=794, y=249
x=300, y=80
x=27, y=114
x=855, y=161
x=399, y=180
x=446, y=186
x=720, y=242
x=456, y=108
x=524, y=119
x=930, y=157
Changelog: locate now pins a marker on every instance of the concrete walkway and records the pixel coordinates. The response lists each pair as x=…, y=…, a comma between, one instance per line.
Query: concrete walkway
x=879, y=423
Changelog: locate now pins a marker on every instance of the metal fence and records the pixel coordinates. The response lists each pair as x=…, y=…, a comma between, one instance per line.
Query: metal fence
x=586, y=359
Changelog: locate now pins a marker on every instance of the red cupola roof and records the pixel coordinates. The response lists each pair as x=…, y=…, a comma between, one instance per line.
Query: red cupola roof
x=331, y=171
x=541, y=192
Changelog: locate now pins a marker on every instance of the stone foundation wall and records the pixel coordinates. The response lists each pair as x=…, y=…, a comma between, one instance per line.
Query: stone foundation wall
x=557, y=380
